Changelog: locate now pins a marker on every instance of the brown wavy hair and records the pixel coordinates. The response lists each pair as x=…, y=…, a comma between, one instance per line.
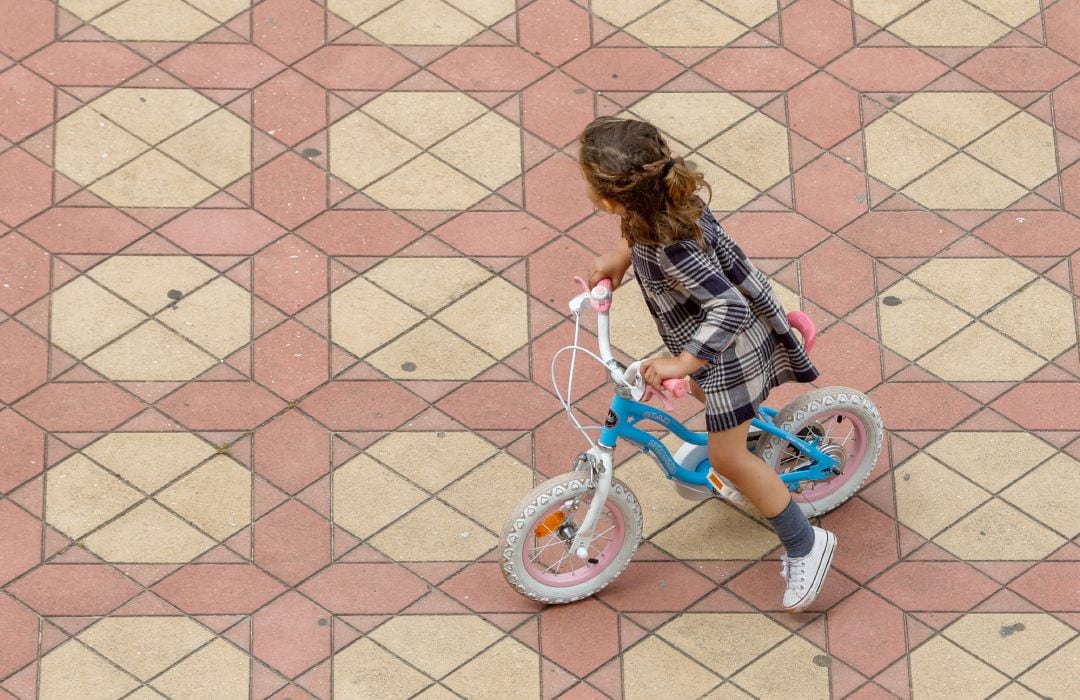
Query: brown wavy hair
x=628, y=162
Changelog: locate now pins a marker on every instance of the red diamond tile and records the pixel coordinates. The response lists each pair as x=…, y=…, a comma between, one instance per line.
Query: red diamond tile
x=74, y=589
x=288, y=29
x=754, y=70
x=373, y=233
x=290, y=274
x=887, y=69
x=76, y=407
x=362, y=405
x=291, y=360
x=555, y=30
x=623, y=69
x=290, y=190
x=1027, y=405
x=867, y=537
x=901, y=233
x=922, y=405
x=290, y=107
x=79, y=63
x=83, y=230
x=1051, y=585
x=655, y=586
x=1062, y=27
x=482, y=588
x=499, y=405
x=557, y=108
x=1067, y=108
x=866, y=632
x=292, y=542
x=221, y=405
x=823, y=109
x=846, y=357
x=19, y=630
x=23, y=361
x=581, y=654
x=934, y=586
x=1019, y=69
x=218, y=589
x=22, y=454
x=292, y=634
x=222, y=65
x=1032, y=233
x=25, y=186
x=489, y=68
x=24, y=272
x=837, y=293
x=555, y=192
x=221, y=231
x=516, y=233
x=365, y=589
x=292, y=451
x=28, y=25
x=20, y=541
x=26, y=103
x=356, y=67
x=774, y=234
x=830, y=192
x=817, y=30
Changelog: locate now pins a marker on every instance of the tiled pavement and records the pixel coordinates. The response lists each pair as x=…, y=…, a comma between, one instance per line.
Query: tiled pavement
x=280, y=285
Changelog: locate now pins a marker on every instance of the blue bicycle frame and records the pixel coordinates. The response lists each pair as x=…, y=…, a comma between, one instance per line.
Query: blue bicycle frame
x=625, y=414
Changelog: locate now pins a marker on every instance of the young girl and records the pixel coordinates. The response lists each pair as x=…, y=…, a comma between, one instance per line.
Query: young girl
x=716, y=314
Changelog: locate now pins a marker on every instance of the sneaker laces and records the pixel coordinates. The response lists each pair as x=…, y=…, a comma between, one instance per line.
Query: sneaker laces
x=793, y=570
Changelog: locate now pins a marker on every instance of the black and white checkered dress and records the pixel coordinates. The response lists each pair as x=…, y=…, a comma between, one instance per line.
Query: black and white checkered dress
x=715, y=304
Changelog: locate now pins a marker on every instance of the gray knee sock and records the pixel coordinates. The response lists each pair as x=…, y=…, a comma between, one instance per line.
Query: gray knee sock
x=794, y=530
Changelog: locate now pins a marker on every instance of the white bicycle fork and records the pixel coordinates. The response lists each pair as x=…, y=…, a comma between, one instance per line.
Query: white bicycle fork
x=587, y=532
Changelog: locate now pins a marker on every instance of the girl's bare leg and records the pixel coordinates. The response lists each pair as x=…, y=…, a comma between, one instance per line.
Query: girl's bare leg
x=749, y=474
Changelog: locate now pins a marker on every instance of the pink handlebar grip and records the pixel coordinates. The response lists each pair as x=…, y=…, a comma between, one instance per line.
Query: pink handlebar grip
x=678, y=387
x=601, y=305
x=802, y=323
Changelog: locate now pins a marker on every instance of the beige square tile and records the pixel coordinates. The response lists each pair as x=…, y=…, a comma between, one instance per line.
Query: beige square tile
x=218, y=670
x=728, y=192
x=436, y=644
x=149, y=460
x=488, y=150
x=152, y=180
x=363, y=670
x=424, y=118
x=422, y=22
x=633, y=329
x=151, y=353
x=473, y=494
x=881, y=12
x=1056, y=677
x=716, y=530
x=973, y=284
x=79, y=300
x=957, y=117
x=897, y=151
x=1021, y=148
x=949, y=23
x=755, y=149
x=217, y=148
x=724, y=642
x=73, y=671
x=433, y=532
x=997, y=531
x=362, y=150
x=964, y=183
x=788, y=671
x=980, y=354
x=1043, y=494
x=356, y=11
x=686, y=23
x=495, y=317
x=660, y=504
x=145, y=280
x=145, y=646
x=749, y=12
x=790, y=300
x=427, y=183
x=929, y=497
x=1014, y=691
x=507, y=671
x=368, y=496
x=429, y=284
x=621, y=12
x=221, y=9
x=1012, y=12
x=1040, y=317
x=691, y=117
x=430, y=352
x=919, y=322
x=88, y=146
x=87, y=9
x=216, y=497
x=216, y=317
x=155, y=20
x=653, y=669
x=485, y=11
x=992, y=460
x=363, y=317
x=940, y=669
x=154, y=114
x=145, y=693
x=82, y=495
x=432, y=460
x=1010, y=641
x=148, y=534
x=436, y=692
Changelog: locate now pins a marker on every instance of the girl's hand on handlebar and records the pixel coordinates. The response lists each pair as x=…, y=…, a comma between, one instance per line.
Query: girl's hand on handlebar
x=655, y=371
x=612, y=265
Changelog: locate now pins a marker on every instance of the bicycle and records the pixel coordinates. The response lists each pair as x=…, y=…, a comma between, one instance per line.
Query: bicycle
x=553, y=555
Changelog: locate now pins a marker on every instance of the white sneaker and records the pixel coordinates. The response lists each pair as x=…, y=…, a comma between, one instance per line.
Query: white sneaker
x=806, y=575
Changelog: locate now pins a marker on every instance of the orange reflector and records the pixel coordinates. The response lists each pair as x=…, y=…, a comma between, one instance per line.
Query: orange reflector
x=550, y=524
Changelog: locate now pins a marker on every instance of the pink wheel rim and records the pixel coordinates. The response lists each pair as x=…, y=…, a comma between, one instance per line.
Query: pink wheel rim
x=854, y=446
x=548, y=560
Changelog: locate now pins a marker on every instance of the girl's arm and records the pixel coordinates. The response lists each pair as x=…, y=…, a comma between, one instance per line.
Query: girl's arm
x=611, y=265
